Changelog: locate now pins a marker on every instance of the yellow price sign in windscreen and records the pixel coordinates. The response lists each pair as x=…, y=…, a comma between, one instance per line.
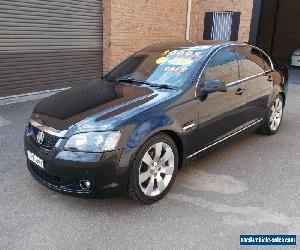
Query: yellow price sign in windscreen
x=161, y=60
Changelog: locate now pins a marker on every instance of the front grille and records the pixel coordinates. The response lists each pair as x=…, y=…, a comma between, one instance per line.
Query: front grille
x=51, y=179
x=49, y=140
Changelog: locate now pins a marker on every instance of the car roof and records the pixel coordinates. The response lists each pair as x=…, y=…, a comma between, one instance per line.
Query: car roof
x=185, y=44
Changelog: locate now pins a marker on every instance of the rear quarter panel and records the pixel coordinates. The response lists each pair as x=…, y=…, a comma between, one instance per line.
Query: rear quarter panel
x=280, y=84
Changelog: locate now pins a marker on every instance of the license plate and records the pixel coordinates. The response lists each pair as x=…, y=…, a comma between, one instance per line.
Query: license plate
x=35, y=159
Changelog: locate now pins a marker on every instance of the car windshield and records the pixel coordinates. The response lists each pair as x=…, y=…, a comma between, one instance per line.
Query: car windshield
x=165, y=68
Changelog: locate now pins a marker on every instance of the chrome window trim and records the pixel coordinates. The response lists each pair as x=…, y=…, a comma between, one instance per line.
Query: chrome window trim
x=241, y=80
x=49, y=130
x=269, y=58
x=225, y=138
x=246, y=79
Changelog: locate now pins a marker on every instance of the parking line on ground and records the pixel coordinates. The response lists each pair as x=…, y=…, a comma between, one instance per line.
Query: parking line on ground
x=29, y=96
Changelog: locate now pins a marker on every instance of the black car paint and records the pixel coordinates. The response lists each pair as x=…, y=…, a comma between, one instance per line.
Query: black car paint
x=140, y=111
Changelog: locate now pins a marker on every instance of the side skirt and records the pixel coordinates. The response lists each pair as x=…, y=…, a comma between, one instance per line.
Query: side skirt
x=227, y=138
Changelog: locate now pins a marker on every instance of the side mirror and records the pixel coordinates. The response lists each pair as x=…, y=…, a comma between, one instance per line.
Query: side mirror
x=212, y=86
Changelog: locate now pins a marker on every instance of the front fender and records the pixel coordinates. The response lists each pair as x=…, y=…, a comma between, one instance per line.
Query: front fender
x=147, y=128
x=142, y=130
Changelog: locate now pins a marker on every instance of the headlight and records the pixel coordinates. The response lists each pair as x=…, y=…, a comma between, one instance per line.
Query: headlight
x=93, y=141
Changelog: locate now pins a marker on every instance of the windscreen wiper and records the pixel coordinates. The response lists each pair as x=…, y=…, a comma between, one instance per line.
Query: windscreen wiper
x=130, y=80
x=161, y=86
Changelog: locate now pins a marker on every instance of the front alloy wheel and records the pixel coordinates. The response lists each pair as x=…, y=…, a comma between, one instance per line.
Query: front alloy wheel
x=154, y=169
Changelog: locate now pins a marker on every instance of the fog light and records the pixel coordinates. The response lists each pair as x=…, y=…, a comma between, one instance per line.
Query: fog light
x=85, y=184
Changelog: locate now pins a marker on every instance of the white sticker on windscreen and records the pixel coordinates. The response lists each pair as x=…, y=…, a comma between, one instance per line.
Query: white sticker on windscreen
x=180, y=61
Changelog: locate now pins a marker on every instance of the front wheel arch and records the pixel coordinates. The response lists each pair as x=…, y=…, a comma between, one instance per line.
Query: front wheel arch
x=176, y=138
x=132, y=186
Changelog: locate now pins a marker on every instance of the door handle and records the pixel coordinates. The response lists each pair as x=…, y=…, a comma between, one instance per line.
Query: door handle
x=270, y=79
x=240, y=91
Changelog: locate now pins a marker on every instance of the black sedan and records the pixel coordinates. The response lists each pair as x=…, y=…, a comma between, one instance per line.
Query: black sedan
x=134, y=128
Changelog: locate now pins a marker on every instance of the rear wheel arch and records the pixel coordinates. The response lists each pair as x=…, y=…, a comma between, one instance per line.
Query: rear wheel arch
x=283, y=97
x=276, y=91
x=273, y=112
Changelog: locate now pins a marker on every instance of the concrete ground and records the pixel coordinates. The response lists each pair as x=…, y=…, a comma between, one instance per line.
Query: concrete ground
x=249, y=187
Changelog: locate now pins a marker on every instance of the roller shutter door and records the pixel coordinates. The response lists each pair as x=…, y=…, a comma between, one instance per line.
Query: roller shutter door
x=49, y=44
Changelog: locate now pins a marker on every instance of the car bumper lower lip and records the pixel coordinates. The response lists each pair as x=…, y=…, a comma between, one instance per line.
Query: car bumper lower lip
x=63, y=176
x=54, y=182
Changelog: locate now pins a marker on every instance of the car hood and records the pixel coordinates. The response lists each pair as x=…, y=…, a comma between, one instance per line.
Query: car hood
x=98, y=105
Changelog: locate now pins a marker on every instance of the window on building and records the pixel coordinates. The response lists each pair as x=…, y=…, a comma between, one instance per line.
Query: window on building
x=221, y=25
x=221, y=29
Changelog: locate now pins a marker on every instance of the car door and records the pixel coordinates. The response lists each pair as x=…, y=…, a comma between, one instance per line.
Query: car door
x=259, y=83
x=221, y=113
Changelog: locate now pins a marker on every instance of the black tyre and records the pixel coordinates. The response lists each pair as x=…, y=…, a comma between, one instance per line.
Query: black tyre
x=273, y=117
x=154, y=169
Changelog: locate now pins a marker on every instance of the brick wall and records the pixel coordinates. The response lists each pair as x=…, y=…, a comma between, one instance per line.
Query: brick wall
x=134, y=24
x=130, y=25
x=106, y=34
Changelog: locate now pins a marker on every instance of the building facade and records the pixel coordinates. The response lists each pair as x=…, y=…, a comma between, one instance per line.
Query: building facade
x=54, y=44
x=130, y=25
x=278, y=32
x=49, y=44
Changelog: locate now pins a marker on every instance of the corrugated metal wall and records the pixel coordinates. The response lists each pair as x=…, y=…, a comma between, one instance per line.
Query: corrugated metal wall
x=48, y=44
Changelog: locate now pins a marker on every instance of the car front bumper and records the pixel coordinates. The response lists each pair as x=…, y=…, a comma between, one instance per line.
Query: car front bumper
x=104, y=173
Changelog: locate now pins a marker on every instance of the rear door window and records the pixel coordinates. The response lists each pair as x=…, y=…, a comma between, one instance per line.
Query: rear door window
x=223, y=66
x=250, y=61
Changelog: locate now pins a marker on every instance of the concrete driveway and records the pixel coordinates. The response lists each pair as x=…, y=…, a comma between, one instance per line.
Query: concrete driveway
x=249, y=187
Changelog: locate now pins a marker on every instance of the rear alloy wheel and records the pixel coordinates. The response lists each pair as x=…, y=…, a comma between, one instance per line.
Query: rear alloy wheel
x=154, y=169
x=274, y=117
x=276, y=114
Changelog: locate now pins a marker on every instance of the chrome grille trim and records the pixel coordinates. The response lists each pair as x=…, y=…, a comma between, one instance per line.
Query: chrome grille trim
x=49, y=130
